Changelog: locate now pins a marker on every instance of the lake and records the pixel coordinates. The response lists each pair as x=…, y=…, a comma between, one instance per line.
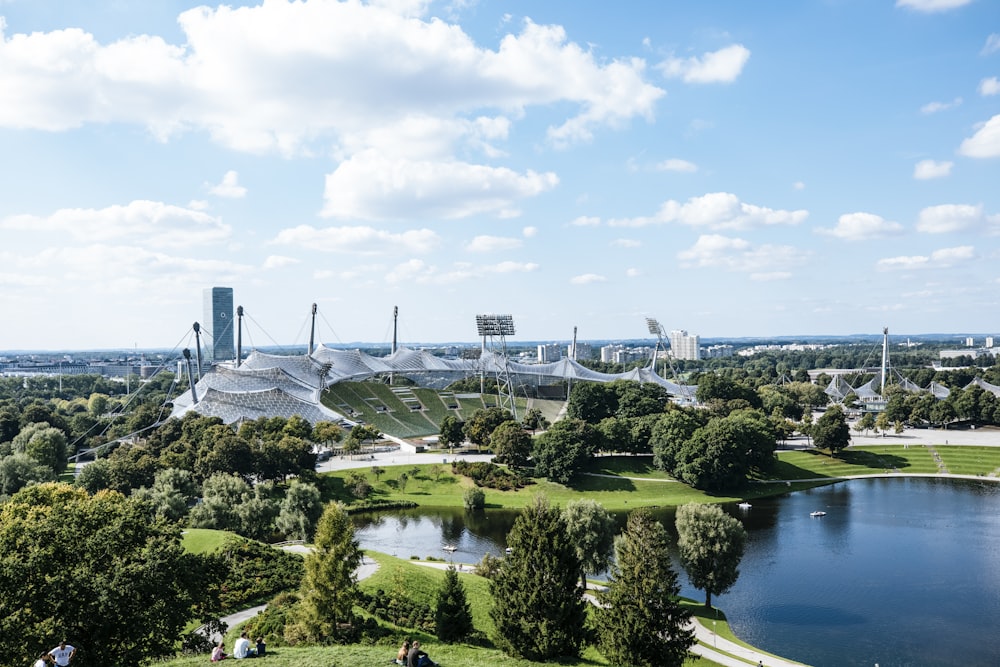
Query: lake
x=899, y=571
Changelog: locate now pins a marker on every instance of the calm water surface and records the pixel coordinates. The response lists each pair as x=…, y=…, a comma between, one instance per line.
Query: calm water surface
x=899, y=571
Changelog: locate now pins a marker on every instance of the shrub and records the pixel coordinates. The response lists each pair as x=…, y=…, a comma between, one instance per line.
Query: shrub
x=474, y=498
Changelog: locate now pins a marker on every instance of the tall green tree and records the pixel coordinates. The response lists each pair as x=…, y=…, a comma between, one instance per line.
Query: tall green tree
x=562, y=450
x=96, y=571
x=452, y=613
x=640, y=621
x=538, y=608
x=711, y=547
x=591, y=529
x=451, y=434
x=301, y=508
x=482, y=423
x=511, y=444
x=329, y=587
x=831, y=431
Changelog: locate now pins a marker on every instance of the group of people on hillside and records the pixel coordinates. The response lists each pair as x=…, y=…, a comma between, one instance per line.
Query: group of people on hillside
x=241, y=649
x=411, y=655
x=59, y=656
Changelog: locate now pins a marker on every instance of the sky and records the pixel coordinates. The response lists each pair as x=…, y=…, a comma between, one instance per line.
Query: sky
x=797, y=167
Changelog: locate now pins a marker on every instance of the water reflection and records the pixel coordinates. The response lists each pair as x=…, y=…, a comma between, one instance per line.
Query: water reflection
x=899, y=571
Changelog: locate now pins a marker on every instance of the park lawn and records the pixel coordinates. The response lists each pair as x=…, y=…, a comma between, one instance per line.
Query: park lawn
x=876, y=460
x=204, y=540
x=436, y=486
x=961, y=460
x=626, y=466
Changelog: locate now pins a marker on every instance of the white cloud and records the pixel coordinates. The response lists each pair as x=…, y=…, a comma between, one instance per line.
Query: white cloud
x=948, y=218
x=198, y=205
x=150, y=223
x=770, y=276
x=361, y=240
x=939, y=259
x=418, y=272
x=722, y=66
x=371, y=186
x=492, y=244
x=992, y=44
x=862, y=226
x=626, y=243
x=587, y=279
x=716, y=211
x=985, y=142
x=529, y=232
x=929, y=6
x=585, y=221
x=229, y=187
x=279, y=76
x=990, y=86
x=798, y=185
x=632, y=272
x=935, y=107
x=928, y=169
x=676, y=164
x=279, y=261
x=715, y=251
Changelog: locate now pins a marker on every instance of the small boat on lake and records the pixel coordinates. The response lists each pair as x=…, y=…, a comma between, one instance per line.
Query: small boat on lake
x=450, y=548
x=817, y=513
x=744, y=505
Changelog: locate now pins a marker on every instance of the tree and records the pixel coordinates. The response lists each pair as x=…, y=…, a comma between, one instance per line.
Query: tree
x=865, y=424
x=301, y=508
x=329, y=588
x=562, y=450
x=538, y=609
x=481, y=425
x=326, y=432
x=20, y=470
x=450, y=432
x=830, y=431
x=511, y=444
x=670, y=433
x=360, y=434
x=452, y=614
x=591, y=529
x=474, y=498
x=711, y=545
x=535, y=420
x=592, y=402
x=640, y=620
x=45, y=444
x=129, y=594
x=721, y=454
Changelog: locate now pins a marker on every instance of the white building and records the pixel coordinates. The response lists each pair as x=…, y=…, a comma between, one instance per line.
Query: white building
x=582, y=351
x=547, y=353
x=683, y=346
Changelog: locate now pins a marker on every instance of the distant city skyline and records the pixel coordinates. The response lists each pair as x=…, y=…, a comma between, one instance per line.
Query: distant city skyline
x=732, y=169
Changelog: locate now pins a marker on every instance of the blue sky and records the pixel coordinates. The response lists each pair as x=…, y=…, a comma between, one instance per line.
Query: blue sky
x=730, y=168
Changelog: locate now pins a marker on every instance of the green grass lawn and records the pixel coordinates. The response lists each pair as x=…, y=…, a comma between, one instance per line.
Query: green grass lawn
x=436, y=486
x=969, y=460
x=854, y=461
x=204, y=540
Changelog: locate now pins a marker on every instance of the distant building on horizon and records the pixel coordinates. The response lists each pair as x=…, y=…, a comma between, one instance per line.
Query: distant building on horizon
x=218, y=325
x=683, y=346
x=547, y=353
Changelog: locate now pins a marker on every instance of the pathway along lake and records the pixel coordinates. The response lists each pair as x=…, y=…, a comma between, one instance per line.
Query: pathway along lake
x=898, y=572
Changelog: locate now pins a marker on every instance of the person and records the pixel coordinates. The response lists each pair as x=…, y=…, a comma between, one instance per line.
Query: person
x=219, y=653
x=241, y=649
x=404, y=652
x=261, y=647
x=63, y=653
x=418, y=657
x=43, y=660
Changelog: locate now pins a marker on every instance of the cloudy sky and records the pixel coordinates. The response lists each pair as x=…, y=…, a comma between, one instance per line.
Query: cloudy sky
x=730, y=168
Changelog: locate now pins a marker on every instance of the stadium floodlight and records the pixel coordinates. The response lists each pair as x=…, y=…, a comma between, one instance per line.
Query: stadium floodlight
x=654, y=326
x=495, y=325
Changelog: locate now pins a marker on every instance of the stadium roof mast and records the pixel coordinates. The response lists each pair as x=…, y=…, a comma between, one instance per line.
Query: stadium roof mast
x=885, y=358
x=499, y=327
x=656, y=329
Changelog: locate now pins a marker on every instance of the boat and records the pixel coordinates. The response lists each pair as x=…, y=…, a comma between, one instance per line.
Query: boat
x=450, y=548
x=509, y=551
x=817, y=513
x=744, y=505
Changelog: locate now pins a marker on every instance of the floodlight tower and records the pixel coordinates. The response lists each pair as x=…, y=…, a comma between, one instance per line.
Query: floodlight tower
x=657, y=330
x=499, y=327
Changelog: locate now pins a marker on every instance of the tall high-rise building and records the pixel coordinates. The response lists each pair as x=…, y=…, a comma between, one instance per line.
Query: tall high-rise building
x=218, y=324
x=683, y=346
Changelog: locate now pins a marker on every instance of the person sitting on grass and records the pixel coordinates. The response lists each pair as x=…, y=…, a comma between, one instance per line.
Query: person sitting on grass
x=404, y=652
x=261, y=647
x=219, y=653
x=418, y=657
